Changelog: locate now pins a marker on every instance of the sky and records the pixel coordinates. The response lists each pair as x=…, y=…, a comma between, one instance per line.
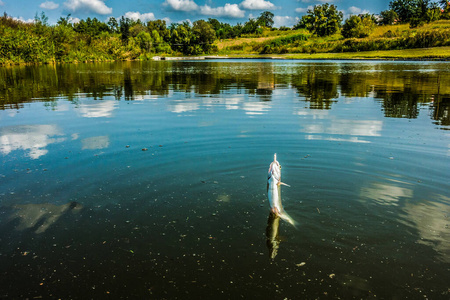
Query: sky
x=286, y=12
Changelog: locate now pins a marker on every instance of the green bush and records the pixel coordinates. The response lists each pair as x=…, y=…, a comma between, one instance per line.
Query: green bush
x=355, y=27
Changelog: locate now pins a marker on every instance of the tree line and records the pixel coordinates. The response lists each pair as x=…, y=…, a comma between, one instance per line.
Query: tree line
x=124, y=38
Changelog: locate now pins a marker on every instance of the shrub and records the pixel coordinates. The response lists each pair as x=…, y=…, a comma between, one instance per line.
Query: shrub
x=355, y=27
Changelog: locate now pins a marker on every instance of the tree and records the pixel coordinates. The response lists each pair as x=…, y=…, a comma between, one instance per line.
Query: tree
x=433, y=13
x=409, y=9
x=181, y=35
x=357, y=27
x=445, y=9
x=161, y=27
x=250, y=26
x=322, y=20
x=64, y=21
x=266, y=19
x=124, y=28
x=204, y=35
x=92, y=27
x=113, y=24
x=388, y=17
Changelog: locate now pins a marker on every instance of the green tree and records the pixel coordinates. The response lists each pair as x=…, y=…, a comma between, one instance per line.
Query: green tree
x=64, y=21
x=250, y=26
x=113, y=25
x=204, y=35
x=322, y=20
x=144, y=40
x=445, y=12
x=92, y=27
x=388, y=17
x=408, y=10
x=161, y=27
x=357, y=27
x=181, y=35
x=124, y=28
x=266, y=19
x=433, y=13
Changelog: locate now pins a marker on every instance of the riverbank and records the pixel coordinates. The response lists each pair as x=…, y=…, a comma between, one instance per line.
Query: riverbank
x=420, y=54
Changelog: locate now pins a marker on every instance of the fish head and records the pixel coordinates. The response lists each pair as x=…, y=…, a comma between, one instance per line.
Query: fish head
x=274, y=170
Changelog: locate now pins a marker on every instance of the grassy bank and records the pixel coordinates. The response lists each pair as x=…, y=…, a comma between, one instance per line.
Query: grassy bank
x=387, y=42
x=434, y=53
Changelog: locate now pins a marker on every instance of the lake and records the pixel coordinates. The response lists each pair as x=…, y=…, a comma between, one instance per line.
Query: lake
x=148, y=180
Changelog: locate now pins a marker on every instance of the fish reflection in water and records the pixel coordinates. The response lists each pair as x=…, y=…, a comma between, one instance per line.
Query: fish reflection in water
x=39, y=217
x=272, y=239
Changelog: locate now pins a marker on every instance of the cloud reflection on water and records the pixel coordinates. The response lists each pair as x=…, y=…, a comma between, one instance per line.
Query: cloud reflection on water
x=32, y=138
x=431, y=220
x=97, y=109
x=385, y=193
x=95, y=142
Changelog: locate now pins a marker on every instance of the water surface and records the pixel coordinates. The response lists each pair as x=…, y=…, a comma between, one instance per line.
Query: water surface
x=148, y=180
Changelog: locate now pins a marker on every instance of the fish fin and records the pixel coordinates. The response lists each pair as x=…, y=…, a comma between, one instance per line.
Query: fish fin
x=283, y=215
x=282, y=183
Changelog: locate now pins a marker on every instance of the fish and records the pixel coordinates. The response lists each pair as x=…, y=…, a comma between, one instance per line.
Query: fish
x=274, y=191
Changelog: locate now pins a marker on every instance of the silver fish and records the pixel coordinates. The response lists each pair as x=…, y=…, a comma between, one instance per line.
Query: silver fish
x=274, y=191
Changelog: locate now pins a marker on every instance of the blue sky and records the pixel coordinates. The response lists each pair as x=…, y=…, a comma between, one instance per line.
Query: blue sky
x=287, y=12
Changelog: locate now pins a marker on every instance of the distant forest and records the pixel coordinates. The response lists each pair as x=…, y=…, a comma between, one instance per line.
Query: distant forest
x=127, y=39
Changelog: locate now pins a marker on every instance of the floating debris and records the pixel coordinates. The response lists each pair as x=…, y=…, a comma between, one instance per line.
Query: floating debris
x=144, y=149
x=332, y=275
x=301, y=264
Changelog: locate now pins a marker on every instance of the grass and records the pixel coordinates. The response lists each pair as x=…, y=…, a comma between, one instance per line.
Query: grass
x=430, y=41
x=434, y=53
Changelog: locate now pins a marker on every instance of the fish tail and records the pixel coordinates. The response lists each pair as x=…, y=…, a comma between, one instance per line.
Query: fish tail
x=284, y=215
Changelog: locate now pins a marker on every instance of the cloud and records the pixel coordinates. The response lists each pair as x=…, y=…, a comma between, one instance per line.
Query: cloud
x=257, y=4
x=353, y=10
x=287, y=21
x=301, y=10
x=23, y=20
x=92, y=6
x=229, y=10
x=182, y=5
x=49, y=5
x=1, y=3
x=134, y=15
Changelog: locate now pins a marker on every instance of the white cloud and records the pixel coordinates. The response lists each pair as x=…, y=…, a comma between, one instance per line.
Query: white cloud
x=287, y=21
x=94, y=6
x=182, y=5
x=353, y=10
x=304, y=10
x=229, y=10
x=1, y=3
x=23, y=20
x=257, y=4
x=135, y=15
x=74, y=20
x=49, y=5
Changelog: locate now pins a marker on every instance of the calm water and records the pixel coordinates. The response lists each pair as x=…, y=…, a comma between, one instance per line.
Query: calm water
x=148, y=180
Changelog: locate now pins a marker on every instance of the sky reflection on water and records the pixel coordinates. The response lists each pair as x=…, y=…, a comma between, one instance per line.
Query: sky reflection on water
x=141, y=180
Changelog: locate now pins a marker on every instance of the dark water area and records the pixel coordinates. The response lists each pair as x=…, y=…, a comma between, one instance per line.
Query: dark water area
x=147, y=180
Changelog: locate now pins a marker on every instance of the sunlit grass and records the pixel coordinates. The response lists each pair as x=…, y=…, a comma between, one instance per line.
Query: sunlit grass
x=389, y=38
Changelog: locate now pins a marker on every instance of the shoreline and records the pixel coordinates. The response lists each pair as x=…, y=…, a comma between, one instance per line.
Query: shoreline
x=417, y=54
